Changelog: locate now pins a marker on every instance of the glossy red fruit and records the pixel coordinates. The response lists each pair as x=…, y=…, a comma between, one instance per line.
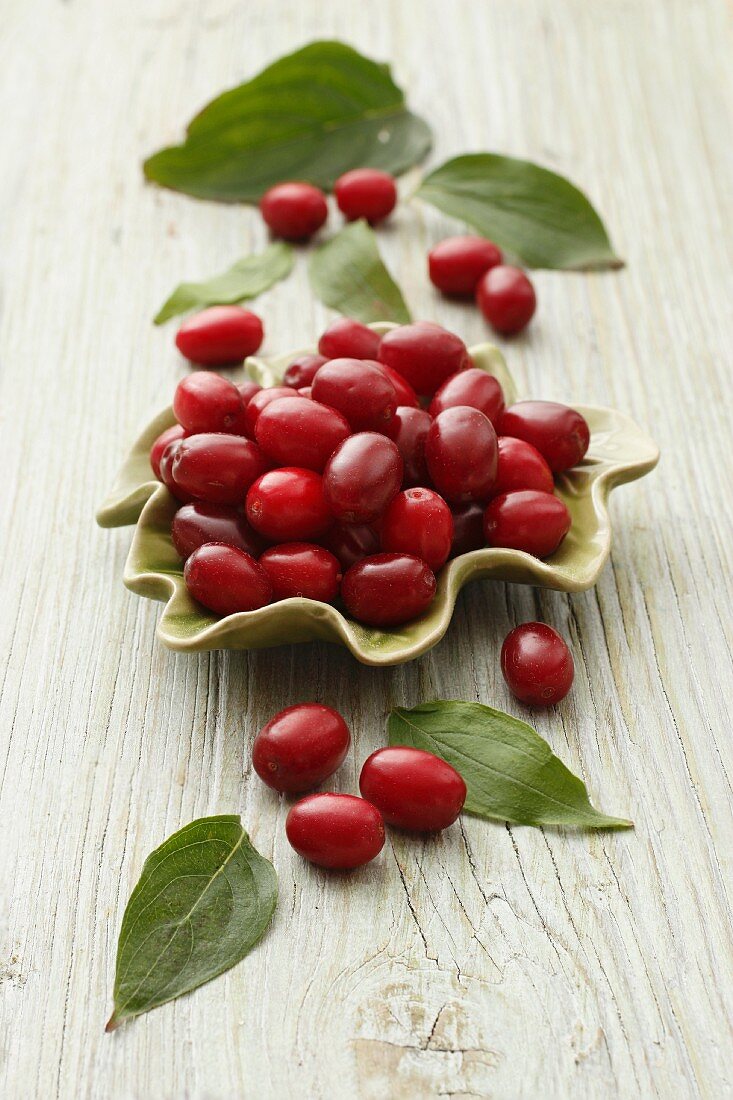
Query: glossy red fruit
x=338, y=831
x=288, y=505
x=296, y=432
x=247, y=390
x=217, y=468
x=366, y=193
x=361, y=477
x=219, y=336
x=468, y=528
x=349, y=339
x=559, y=433
x=166, y=472
x=260, y=400
x=300, y=747
x=302, y=370
x=521, y=466
x=527, y=520
x=418, y=522
x=350, y=543
x=472, y=387
x=226, y=580
x=462, y=454
x=359, y=389
x=302, y=569
x=423, y=353
x=198, y=523
x=409, y=429
x=388, y=589
x=456, y=264
x=170, y=435
x=406, y=396
x=537, y=664
x=294, y=211
x=506, y=298
x=206, y=402
x=413, y=789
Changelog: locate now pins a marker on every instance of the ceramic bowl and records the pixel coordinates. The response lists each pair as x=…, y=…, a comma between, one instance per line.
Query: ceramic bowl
x=619, y=452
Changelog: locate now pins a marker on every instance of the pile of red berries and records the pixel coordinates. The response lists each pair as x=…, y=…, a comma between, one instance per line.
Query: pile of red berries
x=375, y=461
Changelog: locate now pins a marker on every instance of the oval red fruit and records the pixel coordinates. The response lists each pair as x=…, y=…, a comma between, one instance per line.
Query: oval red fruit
x=456, y=264
x=462, y=454
x=226, y=580
x=361, y=477
x=473, y=387
x=359, y=389
x=349, y=339
x=521, y=466
x=170, y=435
x=537, y=664
x=418, y=522
x=198, y=523
x=217, y=468
x=300, y=747
x=294, y=432
x=294, y=211
x=302, y=569
x=559, y=433
x=288, y=505
x=423, y=353
x=205, y=402
x=388, y=589
x=366, y=193
x=338, y=831
x=413, y=789
x=506, y=298
x=534, y=522
x=220, y=336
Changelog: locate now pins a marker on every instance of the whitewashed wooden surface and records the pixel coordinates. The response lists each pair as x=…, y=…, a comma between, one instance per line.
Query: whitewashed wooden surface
x=493, y=961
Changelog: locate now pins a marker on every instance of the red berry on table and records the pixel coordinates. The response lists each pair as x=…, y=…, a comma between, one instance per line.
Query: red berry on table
x=351, y=542
x=198, y=523
x=361, y=477
x=226, y=580
x=349, y=339
x=260, y=400
x=468, y=527
x=205, y=402
x=423, y=353
x=296, y=432
x=537, y=664
x=527, y=520
x=288, y=505
x=413, y=789
x=406, y=396
x=409, y=429
x=220, y=336
x=366, y=193
x=217, y=468
x=300, y=747
x=456, y=264
x=559, y=433
x=471, y=387
x=294, y=211
x=507, y=299
x=462, y=454
x=418, y=522
x=302, y=370
x=521, y=466
x=338, y=831
x=302, y=569
x=388, y=589
x=170, y=435
x=359, y=389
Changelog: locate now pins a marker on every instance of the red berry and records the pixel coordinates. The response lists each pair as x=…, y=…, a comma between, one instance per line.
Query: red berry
x=418, y=522
x=506, y=298
x=537, y=664
x=196, y=524
x=288, y=505
x=359, y=389
x=461, y=454
x=219, y=336
x=338, y=831
x=349, y=339
x=406, y=396
x=302, y=569
x=409, y=429
x=361, y=477
x=302, y=370
x=300, y=747
x=294, y=211
x=365, y=193
x=247, y=390
x=226, y=580
x=530, y=521
x=423, y=353
x=296, y=432
x=206, y=402
x=166, y=472
x=521, y=466
x=351, y=543
x=559, y=433
x=170, y=435
x=388, y=589
x=472, y=387
x=468, y=528
x=456, y=264
x=413, y=789
x=217, y=468
x=260, y=400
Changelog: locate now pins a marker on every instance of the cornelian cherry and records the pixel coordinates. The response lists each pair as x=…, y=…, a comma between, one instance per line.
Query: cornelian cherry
x=220, y=336
x=260, y=400
x=247, y=390
x=468, y=527
x=409, y=429
x=506, y=298
x=361, y=477
x=205, y=402
x=406, y=396
x=388, y=589
x=418, y=522
x=338, y=831
x=349, y=339
x=198, y=523
x=295, y=432
x=217, y=468
x=472, y=387
x=294, y=211
x=521, y=466
x=423, y=353
x=351, y=542
x=288, y=505
x=226, y=580
x=413, y=789
x=166, y=472
x=300, y=747
x=537, y=664
x=559, y=433
x=456, y=264
x=527, y=520
x=461, y=453
x=359, y=389
x=302, y=370
x=302, y=569
x=170, y=435
x=366, y=193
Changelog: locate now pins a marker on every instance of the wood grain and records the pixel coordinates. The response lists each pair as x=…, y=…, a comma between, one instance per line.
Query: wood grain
x=490, y=961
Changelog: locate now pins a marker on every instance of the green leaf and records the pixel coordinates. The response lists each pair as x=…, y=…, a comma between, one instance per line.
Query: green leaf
x=311, y=115
x=204, y=899
x=347, y=274
x=510, y=772
x=245, y=279
x=536, y=216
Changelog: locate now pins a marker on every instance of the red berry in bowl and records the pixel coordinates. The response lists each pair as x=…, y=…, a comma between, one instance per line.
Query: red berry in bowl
x=338, y=831
x=217, y=468
x=296, y=432
x=456, y=264
x=537, y=664
x=409, y=429
x=413, y=789
x=472, y=387
x=507, y=299
x=170, y=435
x=359, y=389
x=388, y=589
x=198, y=523
x=462, y=454
x=288, y=505
x=349, y=339
x=220, y=336
x=260, y=400
x=351, y=542
x=302, y=569
x=294, y=211
x=226, y=580
x=361, y=477
x=366, y=193
x=406, y=396
x=527, y=520
x=302, y=371
x=423, y=353
x=300, y=747
x=468, y=528
x=166, y=472
x=206, y=402
x=521, y=466
x=418, y=522
x=559, y=433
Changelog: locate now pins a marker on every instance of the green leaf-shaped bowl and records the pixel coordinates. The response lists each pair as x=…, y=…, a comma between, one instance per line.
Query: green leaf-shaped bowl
x=619, y=452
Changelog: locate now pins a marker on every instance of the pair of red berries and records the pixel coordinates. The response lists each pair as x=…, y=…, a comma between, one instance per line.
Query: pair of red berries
x=467, y=267
x=295, y=211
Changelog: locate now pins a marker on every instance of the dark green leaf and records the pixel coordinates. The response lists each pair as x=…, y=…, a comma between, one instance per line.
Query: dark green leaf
x=347, y=273
x=510, y=772
x=245, y=279
x=310, y=115
x=536, y=216
x=204, y=899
